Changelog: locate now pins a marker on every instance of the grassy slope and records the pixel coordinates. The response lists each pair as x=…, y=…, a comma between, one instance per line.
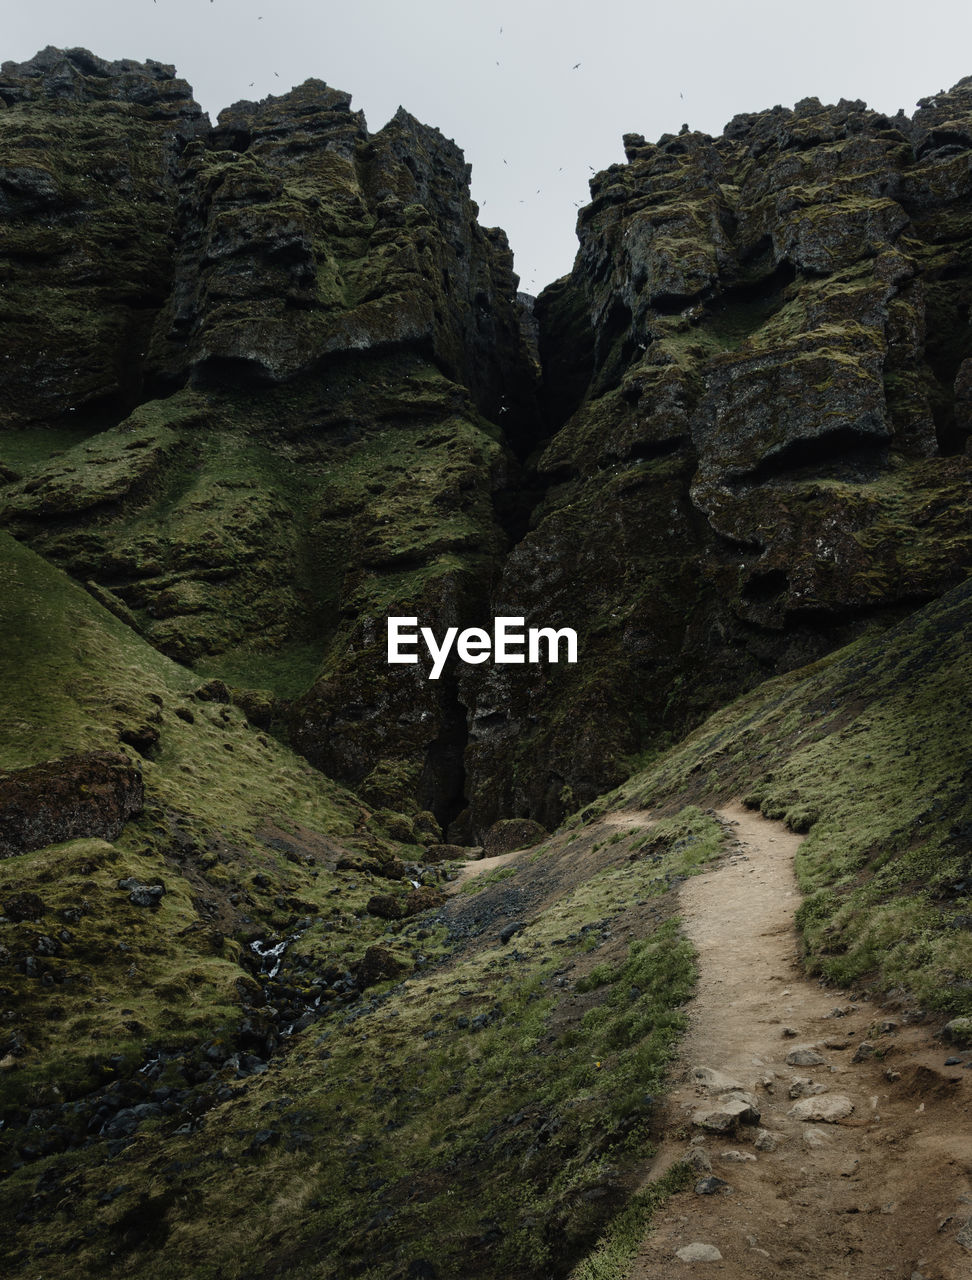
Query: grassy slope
x=868, y=751
x=385, y=1116
x=73, y=676
x=525, y=1134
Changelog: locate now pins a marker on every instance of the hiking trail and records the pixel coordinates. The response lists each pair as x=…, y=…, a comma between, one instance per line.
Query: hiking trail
x=881, y=1188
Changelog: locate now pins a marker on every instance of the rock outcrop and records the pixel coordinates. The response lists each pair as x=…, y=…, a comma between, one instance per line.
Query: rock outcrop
x=88, y=795
x=278, y=387
x=271, y=382
x=757, y=373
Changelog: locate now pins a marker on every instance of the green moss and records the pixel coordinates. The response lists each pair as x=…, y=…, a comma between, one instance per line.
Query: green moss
x=478, y=883
x=221, y=800
x=29, y=447
x=408, y=1099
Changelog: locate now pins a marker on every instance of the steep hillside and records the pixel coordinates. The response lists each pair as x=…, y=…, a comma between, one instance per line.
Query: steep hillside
x=757, y=374
x=282, y=422
x=512, y=1086
x=161, y=836
x=304, y=396
x=868, y=752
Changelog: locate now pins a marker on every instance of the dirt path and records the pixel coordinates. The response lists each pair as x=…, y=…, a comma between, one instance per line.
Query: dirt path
x=469, y=870
x=884, y=1191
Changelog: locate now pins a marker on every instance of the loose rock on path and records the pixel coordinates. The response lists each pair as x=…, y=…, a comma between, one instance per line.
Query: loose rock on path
x=863, y=1160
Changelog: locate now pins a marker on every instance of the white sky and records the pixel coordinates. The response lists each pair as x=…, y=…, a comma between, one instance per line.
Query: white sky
x=499, y=77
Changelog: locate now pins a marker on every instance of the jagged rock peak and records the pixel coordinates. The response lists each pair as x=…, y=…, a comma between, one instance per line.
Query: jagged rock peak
x=309, y=116
x=811, y=122
x=77, y=75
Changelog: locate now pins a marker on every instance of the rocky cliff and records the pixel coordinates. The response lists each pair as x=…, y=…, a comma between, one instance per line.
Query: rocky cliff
x=269, y=381
x=280, y=370
x=757, y=376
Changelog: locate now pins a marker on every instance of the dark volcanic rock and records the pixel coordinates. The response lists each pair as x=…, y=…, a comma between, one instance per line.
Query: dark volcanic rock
x=512, y=833
x=302, y=394
x=391, y=906
x=387, y=906
x=446, y=852
x=319, y=305
x=89, y=213
x=377, y=965
x=93, y=794
x=144, y=895
x=24, y=906
x=144, y=739
x=757, y=374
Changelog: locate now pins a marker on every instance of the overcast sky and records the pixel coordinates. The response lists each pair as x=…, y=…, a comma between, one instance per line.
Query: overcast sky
x=500, y=78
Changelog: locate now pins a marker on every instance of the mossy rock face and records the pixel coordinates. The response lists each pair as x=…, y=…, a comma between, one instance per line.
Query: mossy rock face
x=959, y=1031
x=449, y=852
x=757, y=383
x=91, y=794
x=88, y=154
x=279, y=424
x=304, y=384
x=268, y=385
x=397, y=825
x=512, y=833
x=426, y=827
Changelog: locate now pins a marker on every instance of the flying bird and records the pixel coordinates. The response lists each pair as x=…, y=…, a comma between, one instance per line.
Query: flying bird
x=575, y=66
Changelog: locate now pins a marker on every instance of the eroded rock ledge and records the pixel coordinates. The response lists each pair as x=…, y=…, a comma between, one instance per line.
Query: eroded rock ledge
x=268, y=383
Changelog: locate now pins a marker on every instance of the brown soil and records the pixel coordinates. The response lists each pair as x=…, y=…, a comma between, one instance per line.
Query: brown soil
x=886, y=1191
x=469, y=870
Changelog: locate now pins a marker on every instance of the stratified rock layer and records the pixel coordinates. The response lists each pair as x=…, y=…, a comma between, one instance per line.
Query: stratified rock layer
x=270, y=382
x=252, y=387
x=759, y=368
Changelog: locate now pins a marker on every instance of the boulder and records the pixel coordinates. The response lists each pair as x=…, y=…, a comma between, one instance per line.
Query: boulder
x=714, y=1081
x=959, y=1031
x=78, y=797
x=377, y=965
x=446, y=853
x=391, y=906
x=698, y=1252
x=512, y=833
x=734, y=1109
x=805, y=1057
x=829, y=1109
